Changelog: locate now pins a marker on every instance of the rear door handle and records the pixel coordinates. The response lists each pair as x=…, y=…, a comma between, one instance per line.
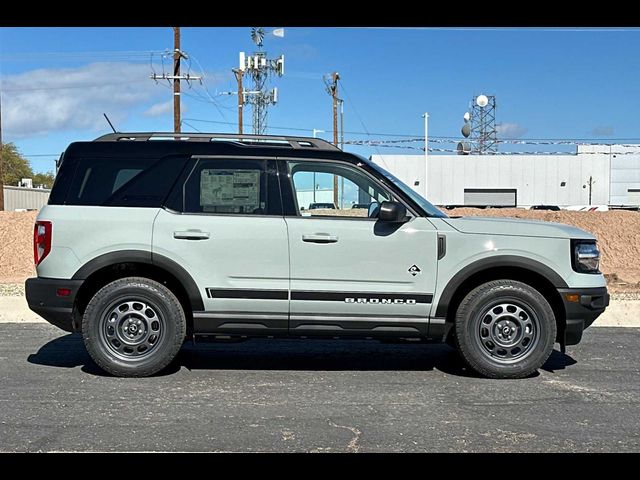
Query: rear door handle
x=320, y=238
x=191, y=235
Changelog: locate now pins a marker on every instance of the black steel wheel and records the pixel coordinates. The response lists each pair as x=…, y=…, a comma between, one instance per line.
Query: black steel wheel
x=133, y=327
x=505, y=329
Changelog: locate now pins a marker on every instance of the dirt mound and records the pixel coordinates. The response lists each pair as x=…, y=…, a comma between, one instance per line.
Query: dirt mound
x=618, y=234
x=16, y=246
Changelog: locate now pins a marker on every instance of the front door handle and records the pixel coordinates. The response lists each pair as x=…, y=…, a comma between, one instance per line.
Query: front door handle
x=191, y=235
x=320, y=238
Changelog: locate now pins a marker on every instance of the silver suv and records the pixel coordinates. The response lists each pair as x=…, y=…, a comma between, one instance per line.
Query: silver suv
x=150, y=239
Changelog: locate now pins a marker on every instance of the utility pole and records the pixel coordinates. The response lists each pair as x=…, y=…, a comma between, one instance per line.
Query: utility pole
x=332, y=89
x=177, y=54
x=341, y=124
x=1, y=165
x=239, y=74
x=176, y=77
x=341, y=148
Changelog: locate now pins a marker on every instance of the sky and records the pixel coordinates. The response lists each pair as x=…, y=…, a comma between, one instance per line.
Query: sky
x=55, y=83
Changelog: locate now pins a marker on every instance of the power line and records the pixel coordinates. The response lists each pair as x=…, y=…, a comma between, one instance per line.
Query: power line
x=311, y=129
x=440, y=139
x=189, y=125
x=206, y=90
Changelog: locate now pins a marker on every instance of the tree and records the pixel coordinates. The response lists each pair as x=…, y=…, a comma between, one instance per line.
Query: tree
x=44, y=179
x=15, y=166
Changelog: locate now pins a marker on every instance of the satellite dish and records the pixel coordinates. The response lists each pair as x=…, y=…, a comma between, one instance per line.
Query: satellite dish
x=466, y=130
x=466, y=116
x=464, y=148
x=482, y=100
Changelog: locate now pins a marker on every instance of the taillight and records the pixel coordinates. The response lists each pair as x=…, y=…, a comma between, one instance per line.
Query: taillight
x=41, y=241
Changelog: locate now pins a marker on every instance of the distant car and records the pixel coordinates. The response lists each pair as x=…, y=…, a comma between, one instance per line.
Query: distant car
x=317, y=206
x=545, y=207
x=360, y=205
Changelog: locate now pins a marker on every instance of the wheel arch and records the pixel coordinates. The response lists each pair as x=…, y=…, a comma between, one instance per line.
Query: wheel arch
x=111, y=266
x=505, y=267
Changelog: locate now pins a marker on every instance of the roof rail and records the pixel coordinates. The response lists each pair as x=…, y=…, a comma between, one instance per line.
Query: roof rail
x=268, y=140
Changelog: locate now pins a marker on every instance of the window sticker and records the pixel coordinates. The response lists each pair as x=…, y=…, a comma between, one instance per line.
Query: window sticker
x=230, y=191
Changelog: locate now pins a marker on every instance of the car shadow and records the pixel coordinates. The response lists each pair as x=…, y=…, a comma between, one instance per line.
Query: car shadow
x=68, y=351
x=558, y=361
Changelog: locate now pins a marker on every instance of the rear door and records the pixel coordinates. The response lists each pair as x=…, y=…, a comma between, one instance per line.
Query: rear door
x=224, y=225
x=351, y=273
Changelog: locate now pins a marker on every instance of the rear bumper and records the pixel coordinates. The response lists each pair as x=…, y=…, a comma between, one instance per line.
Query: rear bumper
x=42, y=297
x=580, y=314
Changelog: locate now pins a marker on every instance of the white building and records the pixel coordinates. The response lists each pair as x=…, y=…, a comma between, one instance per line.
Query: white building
x=524, y=180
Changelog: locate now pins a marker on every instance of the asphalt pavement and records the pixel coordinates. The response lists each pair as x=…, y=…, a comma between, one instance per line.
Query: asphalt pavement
x=317, y=396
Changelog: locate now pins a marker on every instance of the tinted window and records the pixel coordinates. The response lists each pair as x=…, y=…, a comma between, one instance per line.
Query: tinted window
x=123, y=181
x=240, y=187
x=66, y=167
x=333, y=189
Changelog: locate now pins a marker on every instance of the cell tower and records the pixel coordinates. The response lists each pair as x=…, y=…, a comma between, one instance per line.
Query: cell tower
x=480, y=127
x=258, y=67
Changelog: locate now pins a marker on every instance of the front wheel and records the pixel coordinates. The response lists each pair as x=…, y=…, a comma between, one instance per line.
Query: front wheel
x=505, y=329
x=133, y=327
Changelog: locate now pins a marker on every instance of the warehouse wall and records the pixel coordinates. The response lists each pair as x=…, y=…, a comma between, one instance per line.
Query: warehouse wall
x=537, y=178
x=411, y=169
x=20, y=198
x=625, y=171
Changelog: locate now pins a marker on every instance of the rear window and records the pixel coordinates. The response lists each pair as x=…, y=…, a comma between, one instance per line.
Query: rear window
x=127, y=182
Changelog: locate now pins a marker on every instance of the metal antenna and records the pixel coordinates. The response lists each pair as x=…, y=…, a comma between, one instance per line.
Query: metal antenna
x=258, y=68
x=483, y=132
x=110, y=124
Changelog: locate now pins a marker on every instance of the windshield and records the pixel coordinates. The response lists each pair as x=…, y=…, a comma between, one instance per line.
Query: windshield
x=409, y=192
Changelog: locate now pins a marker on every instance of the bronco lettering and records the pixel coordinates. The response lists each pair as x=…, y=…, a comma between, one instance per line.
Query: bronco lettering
x=384, y=301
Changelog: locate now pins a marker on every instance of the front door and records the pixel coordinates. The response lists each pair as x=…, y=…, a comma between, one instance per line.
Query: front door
x=226, y=229
x=351, y=273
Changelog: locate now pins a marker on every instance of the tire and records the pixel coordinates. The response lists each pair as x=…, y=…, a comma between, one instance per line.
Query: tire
x=505, y=329
x=133, y=327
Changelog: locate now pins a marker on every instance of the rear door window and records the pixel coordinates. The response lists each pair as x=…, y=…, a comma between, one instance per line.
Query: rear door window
x=232, y=187
x=127, y=182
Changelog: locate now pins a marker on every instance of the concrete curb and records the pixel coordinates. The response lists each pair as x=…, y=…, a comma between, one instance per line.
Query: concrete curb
x=620, y=313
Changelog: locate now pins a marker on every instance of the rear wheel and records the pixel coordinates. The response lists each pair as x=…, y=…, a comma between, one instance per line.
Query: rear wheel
x=133, y=327
x=505, y=329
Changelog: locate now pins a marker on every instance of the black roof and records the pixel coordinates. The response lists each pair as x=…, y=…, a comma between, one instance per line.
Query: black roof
x=161, y=144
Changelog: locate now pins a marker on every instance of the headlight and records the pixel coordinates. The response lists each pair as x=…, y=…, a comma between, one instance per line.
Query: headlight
x=586, y=257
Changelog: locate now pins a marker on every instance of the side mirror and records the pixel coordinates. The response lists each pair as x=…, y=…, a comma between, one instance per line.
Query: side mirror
x=392, y=212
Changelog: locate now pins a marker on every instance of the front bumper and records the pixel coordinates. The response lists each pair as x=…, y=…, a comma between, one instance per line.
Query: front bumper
x=42, y=297
x=582, y=307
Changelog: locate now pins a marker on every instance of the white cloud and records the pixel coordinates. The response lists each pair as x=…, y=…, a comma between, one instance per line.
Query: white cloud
x=41, y=101
x=511, y=130
x=602, y=131
x=163, y=108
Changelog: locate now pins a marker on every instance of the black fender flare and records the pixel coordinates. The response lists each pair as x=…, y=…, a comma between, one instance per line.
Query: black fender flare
x=141, y=256
x=494, y=262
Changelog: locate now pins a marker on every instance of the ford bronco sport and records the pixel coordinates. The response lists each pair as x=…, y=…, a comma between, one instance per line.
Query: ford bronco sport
x=150, y=239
